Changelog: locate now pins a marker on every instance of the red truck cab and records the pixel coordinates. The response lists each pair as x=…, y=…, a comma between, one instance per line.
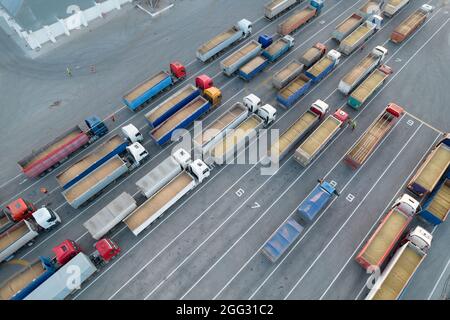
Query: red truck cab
x=66, y=251
x=178, y=69
x=20, y=209
x=107, y=249
x=203, y=82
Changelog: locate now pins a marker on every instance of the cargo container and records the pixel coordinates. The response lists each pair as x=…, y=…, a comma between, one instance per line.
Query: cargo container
x=383, y=240
x=367, y=143
x=391, y=7
x=291, y=93
x=362, y=69
x=324, y=66
x=60, y=149
x=151, y=87
x=313, y=54
x=347, y=26
x=287, y=74
x=402, y=267
x=278, y=48
x=368, y=87
x=320, y=137
x=316, y=201
x=214, y=47
x=253, y=67
x=16, y=211
x=370, y=8
x=300, y=17
x=436, y=208
x=360, y=35
x=275, y=8
x=432, y=169
x=411, y=23
x=238, y=58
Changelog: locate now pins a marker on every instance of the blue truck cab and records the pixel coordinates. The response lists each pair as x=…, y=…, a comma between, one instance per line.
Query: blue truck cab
x=96, y=126
x=316, y=201
x=265, y=40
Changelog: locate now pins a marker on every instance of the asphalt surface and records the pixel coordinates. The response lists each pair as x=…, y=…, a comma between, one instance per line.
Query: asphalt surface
x=208, y=244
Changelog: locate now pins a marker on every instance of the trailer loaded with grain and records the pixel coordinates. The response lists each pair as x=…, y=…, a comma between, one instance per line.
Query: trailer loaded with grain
x=360, y=35
x=300, y=17
x=411, y=23
x=391, y=7
x=287, y=74
x=238, y=58
x=436, y=208
x=275, y=8
x=347, y=26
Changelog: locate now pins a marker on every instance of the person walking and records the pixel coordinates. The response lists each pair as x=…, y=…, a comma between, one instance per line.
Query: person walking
x=352, y=123
x=69, y=71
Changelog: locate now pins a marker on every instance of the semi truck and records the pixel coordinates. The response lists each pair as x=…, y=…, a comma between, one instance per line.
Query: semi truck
x=402, y=267
x=411, y=23
x=287, y=74
x=370, y=8
x=111, y=215
x=319, y=138
x=362, y=69
x=367, y=143
x=391, y=7
x=103, y=175
x=299, y=129
x=43, y=160
x=432, y=169
x=313, y=54
x=115, y=145
x=25, y=231
x=240, y=57
x=178, y=100
x=368, y=87
x=153, y=86
x=436, y=208
x=275, y=8
x=383, y=240
x=249, y=70
x=291, y=93
x=324, y=66
x=360, y=35
x=214, y=47
x=278, y=48
x=347, y=26
x=184, y=117
x=319, y=197
x=282, y=239
x=193, y=175
x=16, y=211
x=300, y=17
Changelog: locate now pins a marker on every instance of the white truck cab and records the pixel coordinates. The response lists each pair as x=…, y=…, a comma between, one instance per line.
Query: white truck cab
x=267, y=112
x=320, y=106
x=380, y=51
x=46, y=217
x=420, y=238
x=246, y=27
x=334, y=55
x=427, y=8
x=407, y=204
x=132, y=133
x=182, y=157
x=137, y=153
x=377, y=21
x=289, y=39
x=200, y=169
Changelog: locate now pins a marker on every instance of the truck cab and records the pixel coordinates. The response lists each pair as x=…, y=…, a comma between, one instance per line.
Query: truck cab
x=289, y=40
x=65, y=251
x=182, y=157
x=421, y=238
x=213, y=95
x=132, y=133
x=96, y=126
x=203, y=82
x=317, y=4
x=334, y=55
x=178, y=70
x=377, y=21
x=407, y=204
x=200, y=170
x=136, y=153
x=105, y=250
x=46, y=218
x=320, y=107
x=245, y=26
x=19, y=209
x=380, y=51
x=265, y=40
x=267, y=112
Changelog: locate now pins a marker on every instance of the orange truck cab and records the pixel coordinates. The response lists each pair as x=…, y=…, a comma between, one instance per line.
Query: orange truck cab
x=20, y=209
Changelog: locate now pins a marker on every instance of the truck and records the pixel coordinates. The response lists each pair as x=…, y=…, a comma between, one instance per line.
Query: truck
x=313, y=54
x=178, y=100
x=436, y=208
x=368, y=87
x=319, y=138
x=411, y=23
x=287, y=74
x=360, y=35
x=240, y=57
x=184, y=117
x=46, y=158
x=402, y=267
x=111, y=215
x=319, y=197
x=324, y=66
x=370, y=8
x=69, y=256
x=391, y=7
x=432, y=168
x=282, y=239
x=291, y=93
x=193, y=175
x=214, y=47
x=299, y=129
x=249, y=70
x=25, y=231
x=383, y=240
x=347, y=26
x=362, y=69
x=275, y=8
x=113, y=146
x=103, y=175
x=278, y=48
x=300, y=17
x=367, y=143
x=150, y=88
x=16, y=211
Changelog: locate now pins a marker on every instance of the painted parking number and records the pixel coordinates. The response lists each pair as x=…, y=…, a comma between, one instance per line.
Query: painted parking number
x=240, y=192
x=350, y=197
x=333, y=183
x=410, y=122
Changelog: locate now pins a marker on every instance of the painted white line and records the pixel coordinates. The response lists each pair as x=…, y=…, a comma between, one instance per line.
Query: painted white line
x=438, y=280
x=10, y=180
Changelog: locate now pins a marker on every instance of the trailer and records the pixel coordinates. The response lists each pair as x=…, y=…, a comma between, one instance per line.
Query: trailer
x=320, y=137
x=287, y=74
x=367, y=143
x=275, y=8
x=370, y=8
x=319, y=197
x=347, y=26
x=291, y=93
x=362, y=69
x=108, y=217
x=211, y=49
x=300, y=17
x=432, y=169
x=281, y=239
x=299, y=129
x=391, y=7
x=383, y=240
x=313, y=54
x=16, y=237
x=46, y=158
x=436, y=208
x=324, y=66
x=411, y=23
x=278, y=48
x=402, y=267
x=368, y=87
x=360, y=35
x=249, y=70
x=240, y=57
